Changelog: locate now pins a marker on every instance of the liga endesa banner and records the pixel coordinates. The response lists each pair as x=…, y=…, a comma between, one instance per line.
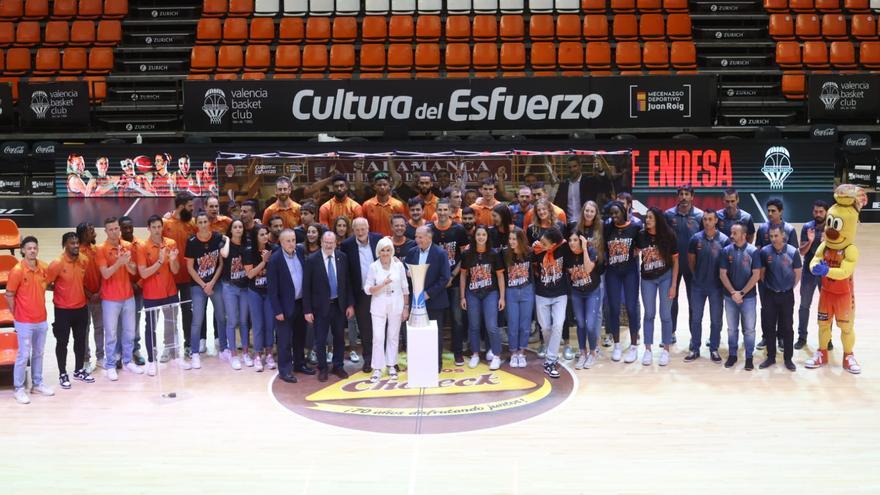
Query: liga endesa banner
x=786, y=165
x=437, y=105
x=837, y=97
x=134, y=171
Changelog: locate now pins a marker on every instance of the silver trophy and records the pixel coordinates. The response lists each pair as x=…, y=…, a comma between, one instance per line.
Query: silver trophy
x=418, y=316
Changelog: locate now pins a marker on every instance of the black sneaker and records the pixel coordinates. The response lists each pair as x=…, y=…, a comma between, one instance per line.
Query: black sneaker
x=767, y=363
x=552, y=370
x=64, y=381
x=119, y=364
x=691, y=356
x=800, y=343
x=138, y=359
x=716, y=358
x=750, y=364
x=459, y=360
x=761, y=344
x=83, y=376
x=830, y=346
x=731, y=360
x=790, y=365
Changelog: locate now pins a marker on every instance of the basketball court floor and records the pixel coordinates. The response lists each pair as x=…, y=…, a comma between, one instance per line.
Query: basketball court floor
x=617, y=428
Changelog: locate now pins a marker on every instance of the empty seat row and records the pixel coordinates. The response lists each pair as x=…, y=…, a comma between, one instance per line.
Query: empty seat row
x=815, y=55
x=97, y=84
x=215, y=8
x=457, y=58
x=46, y=61
x=819, y=5
x=58, y=33
x=63, y=9
x=830, y=26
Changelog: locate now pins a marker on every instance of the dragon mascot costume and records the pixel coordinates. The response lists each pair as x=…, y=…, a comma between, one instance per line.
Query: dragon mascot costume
x=835, y=262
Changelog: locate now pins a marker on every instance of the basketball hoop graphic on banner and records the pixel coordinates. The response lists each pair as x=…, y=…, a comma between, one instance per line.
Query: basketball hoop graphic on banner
x=215, y=106
x=40, y=104
x=777, y=166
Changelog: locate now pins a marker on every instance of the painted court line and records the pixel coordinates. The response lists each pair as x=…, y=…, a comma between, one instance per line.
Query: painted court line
x=760, y=208
x=131, y=208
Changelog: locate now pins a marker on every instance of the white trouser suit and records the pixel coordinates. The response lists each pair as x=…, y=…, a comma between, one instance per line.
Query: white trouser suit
x=386, y=308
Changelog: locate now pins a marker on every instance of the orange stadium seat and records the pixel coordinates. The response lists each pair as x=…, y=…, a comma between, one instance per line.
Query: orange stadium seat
x=292, y=30
x=625, y=27
x=372, y=62
x=834, y=27
x=209, y=30
x=100, y=60
x=807, y=27
x=27, y=33
x=788, y=55
x=485, y=28
x=675, y=5
x=864, y=27
x=628, y=56
x=776, y=6
x=57, y=33
x=287, y=58
x=869, y=55
x=781, y=27
x=649, y=6
x=202, y=59
x=82, y=33
x=656, y=55
x=374, y=29
x=568, y=27
x=623, y=6
x=317, y=30
x=683, y=55
x=230, y=58
x=794, y=85
x=860, y=6
x=400, y=60
x=485, y=59
x=542, y=27
x=678, y=27
x=801, y=5
x=74, y=60
x=598, y=56
x=90, y=9
x=11, y=9
x=401, y=28
x=458, y=59
x=241, y=8
x=815, y=55
x=828, y=6
x=543, y=58
x=253, y=76
x=595, y=27
x=571, y=58
x=427, y=57
x=843, y=55
x=513, y=58
x=7, y=33
x=343, y=30
x=651, y=27
x=593, y=6
x=257, y=58
x=47, y=62
x=115, y=9
x=428, y=28
x=512, y=27
x=458, y=28
x=63, y=9
x=214, y=8
x=10, y=237
x=8, y=343
x=314, y=61
x=342, y=60
x=18, y=61
x=109, y=32
x=262, y=30
x=35, y=10
x=235, y=30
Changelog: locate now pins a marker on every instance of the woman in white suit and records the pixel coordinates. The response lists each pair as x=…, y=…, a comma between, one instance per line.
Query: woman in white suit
x=387, y=284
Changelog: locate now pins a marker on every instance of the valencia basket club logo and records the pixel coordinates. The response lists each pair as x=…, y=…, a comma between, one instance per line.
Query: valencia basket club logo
x=466, y=400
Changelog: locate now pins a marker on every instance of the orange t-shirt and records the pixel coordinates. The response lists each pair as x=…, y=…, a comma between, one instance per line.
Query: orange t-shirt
x=560, y=215
x=430, y=205
x=220, y=224
x=289, y=214
x=29, y=286
x=118, y=286
x=332, y=209
x=160, y=284
x=93, y=275
x=483, y=212
x=69, y=275
x=834, y=258
x=379, y=214
x=455, y=217
x=180, y=232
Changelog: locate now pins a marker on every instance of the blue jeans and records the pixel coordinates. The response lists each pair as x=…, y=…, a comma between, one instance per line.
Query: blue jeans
x=625, y=283
x=519, y=305
x=748, y=315
x=587, y=307
x=111, y=312
x=31, y=341
x=236, y=305
x=263, y=319
x=653, y=289
x=715, y=296
x=551, y=317
x=809, y=283
x=138, y=309
x=483, y=309
x=200, y=307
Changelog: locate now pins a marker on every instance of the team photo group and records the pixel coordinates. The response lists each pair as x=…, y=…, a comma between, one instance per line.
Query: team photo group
x=312, y=279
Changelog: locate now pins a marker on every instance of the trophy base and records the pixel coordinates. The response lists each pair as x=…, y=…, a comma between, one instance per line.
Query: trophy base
x=418, y=318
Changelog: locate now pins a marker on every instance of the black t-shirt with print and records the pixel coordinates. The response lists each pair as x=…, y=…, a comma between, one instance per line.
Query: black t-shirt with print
x=452, y=239
x=233, y=266
x=653, y=263
x=481, y=270
x=579, y=279
x=551, y=280
x=534, y=232
x=205, y=254
x=254, y=257
x=620, y=246
x=401, y=250
x=518, y=271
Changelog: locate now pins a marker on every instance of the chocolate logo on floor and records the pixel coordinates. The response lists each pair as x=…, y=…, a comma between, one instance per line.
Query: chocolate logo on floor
x=466, y=400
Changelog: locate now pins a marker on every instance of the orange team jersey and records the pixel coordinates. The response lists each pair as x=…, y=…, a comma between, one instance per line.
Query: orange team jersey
x=69, y=275
x=483, y=212
x=163, y=184
x=29, y=286
x=185, y=183
x=560, y=215
x=289, y=213
x=118, y=286
x=220, y=224
x=93, y=275
x=160, y=284
x=379, y=214
x=833, y=258
x=180, y=232
x=455, y=217
x=332, y=209
x=430, y=205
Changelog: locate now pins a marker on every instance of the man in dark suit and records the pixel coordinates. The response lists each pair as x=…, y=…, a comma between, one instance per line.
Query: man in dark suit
x=436, y=299
x=574, y=190
x=360, y=249
x=285, y=275
x=328, y=301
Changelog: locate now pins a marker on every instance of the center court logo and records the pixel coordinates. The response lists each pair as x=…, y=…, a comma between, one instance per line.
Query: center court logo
x=466, y=400
x=214, y=105
x=777, y=166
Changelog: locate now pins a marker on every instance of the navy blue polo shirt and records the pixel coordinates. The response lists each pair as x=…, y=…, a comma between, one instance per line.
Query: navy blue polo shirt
x=708, y=258
x=762, y=238
x=685, y=226
x=820, y=231
x=739, y=263
x=725, y=223
x=779, y=267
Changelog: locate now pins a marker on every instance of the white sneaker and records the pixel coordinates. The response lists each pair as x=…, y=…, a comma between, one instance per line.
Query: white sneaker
x=664, y=357
x=224, y=355
x=495, y=364
x=568, y=353
x=522, y=361
x=236, y=363
x=590, y=361
x=196, y=361
x=514, y=361
x=632, y=353
x=111, y=374
x=579, y=365
x=490, y=355
x=475, y=361
x=21, y=396
x=183, y=364
x=133, y=368
x=248, y=360
x=166, y=356
x=270, y=363
x=42, y=389
x=353, y=356
x=258, y=364
x=616, y=353
x=203, y=346
x=216, y=346
x=151, y=369
x=647, y=358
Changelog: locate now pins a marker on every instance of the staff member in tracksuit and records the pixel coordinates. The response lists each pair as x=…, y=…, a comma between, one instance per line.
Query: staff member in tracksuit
x=781, y=272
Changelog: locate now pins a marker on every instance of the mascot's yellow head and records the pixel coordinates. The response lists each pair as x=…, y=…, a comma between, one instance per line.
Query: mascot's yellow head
x=843, y=216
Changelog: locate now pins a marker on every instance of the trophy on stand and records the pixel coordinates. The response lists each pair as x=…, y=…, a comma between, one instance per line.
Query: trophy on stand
x=421, y=343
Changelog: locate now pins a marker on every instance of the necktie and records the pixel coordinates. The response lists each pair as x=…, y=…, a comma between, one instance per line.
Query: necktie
x=331, y=274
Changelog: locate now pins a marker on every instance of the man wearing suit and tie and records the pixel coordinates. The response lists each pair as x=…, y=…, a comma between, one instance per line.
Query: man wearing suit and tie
x=436, y=300
x=360, y=249
x=328, y=301
x=285, y=277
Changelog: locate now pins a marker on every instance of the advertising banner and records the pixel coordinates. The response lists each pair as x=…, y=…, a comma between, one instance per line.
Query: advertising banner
x=841, y=97
x=6, y=108
x=53, y=104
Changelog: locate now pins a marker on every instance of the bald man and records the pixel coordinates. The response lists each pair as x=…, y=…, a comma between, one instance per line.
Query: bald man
x=360, y=251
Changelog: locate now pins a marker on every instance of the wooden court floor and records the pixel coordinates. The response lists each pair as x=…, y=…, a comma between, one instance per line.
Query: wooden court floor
x=626, y=429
